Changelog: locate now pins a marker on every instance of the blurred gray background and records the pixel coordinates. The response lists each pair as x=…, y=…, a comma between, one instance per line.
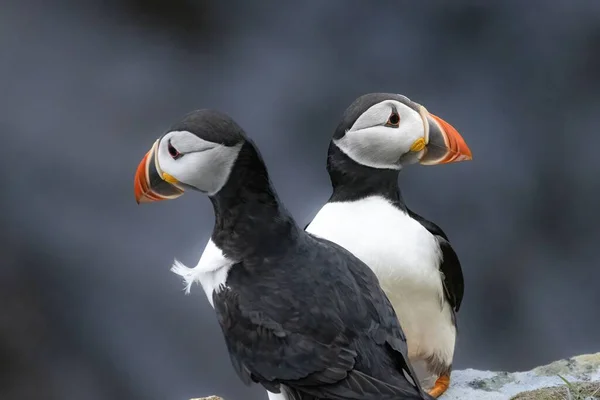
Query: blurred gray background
x=89, y=309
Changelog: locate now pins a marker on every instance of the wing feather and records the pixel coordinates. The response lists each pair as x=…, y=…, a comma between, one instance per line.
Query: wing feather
x=450, y=267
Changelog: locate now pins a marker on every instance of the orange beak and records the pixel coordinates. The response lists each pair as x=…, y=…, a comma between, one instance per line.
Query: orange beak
x=445, y=144
x=150, y=182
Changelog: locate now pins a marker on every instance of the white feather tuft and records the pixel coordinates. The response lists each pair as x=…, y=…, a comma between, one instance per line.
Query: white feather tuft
x=190, y=275
x=211, y=271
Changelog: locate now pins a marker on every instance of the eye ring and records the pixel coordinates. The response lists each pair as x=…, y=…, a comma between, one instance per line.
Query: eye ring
x=173, y=152
x=393, y=120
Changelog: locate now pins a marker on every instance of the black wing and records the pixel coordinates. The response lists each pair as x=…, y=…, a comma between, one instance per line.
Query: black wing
x=312, y=354
x=454, y=285
x=262, y=350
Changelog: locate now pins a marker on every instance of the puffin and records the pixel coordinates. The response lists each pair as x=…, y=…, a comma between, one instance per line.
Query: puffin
x=300, y=315
x=380, y=134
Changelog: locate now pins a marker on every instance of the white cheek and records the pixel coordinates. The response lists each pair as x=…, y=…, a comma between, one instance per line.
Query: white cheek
x=207, y=170
x=371, y=147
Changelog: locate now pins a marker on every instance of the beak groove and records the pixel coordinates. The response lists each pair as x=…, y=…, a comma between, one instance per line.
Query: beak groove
x=445, y=144
x=149, y=184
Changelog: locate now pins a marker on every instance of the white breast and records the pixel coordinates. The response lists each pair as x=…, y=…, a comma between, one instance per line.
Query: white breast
x=398, y=248
x=405, y=257
x=211, y=271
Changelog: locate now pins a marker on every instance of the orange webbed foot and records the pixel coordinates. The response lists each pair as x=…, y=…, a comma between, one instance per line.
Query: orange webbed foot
x=441, y=385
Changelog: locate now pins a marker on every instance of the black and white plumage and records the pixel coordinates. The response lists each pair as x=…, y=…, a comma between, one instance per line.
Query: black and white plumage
x=299, y=314
x=412, y=257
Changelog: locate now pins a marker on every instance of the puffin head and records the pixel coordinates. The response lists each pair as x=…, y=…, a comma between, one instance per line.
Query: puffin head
x=388, y=131
x=196, y=153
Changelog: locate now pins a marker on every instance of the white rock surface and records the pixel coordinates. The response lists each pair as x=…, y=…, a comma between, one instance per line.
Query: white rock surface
x=488, y=385
x=470, y=384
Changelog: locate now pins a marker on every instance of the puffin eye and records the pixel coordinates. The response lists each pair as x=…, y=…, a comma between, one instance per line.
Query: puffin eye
x=173, y=151
x=393, y=120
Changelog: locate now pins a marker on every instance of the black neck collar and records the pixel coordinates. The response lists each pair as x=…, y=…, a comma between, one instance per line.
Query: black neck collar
x=352, y=181
x=249, y=218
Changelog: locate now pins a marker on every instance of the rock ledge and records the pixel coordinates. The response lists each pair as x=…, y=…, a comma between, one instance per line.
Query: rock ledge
x=541, y=383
